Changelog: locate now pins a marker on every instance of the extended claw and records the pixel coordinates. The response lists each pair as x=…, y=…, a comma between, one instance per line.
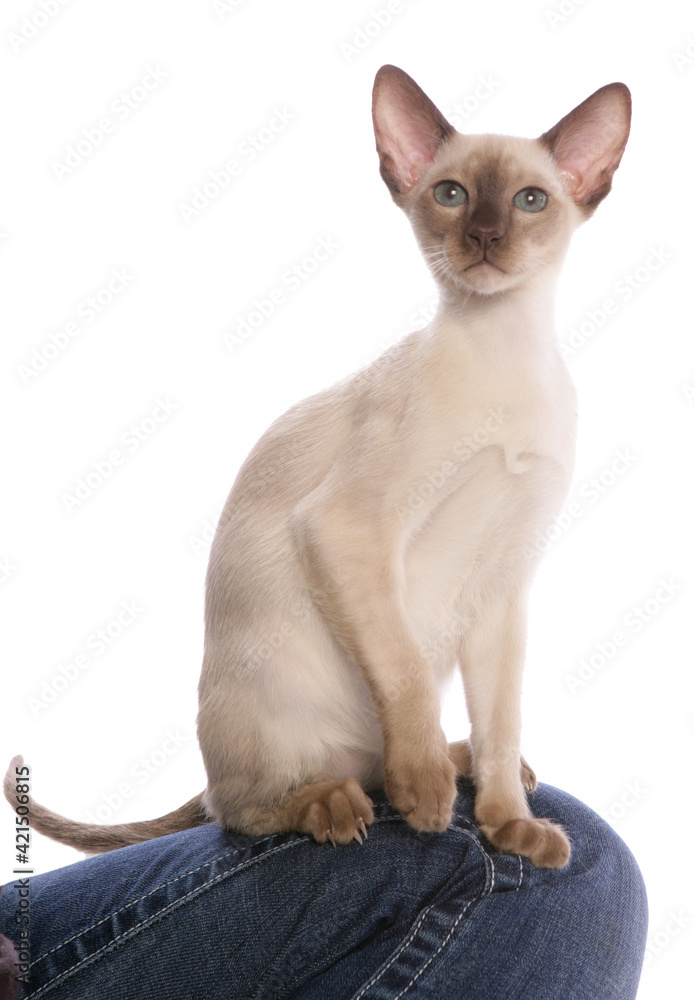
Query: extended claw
x=331, y=838
x=356, y=836
x=362, y=827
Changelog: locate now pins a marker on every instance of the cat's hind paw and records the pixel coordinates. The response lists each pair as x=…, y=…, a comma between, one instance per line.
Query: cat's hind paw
x=528, y=776
x=335, y=812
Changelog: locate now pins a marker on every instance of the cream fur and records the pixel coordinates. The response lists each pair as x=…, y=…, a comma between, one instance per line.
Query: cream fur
x=382, y=531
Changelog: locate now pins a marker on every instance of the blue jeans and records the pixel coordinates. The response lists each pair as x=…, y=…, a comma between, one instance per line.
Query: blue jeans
x=208, y=915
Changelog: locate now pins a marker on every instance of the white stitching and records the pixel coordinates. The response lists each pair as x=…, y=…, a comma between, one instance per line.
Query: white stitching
x=414, y=930
x=91, y=958
x=397, y=954
x=140, y=898
x=176, y=903
x=440, y=948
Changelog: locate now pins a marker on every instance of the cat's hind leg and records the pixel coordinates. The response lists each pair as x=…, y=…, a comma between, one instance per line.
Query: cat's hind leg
x=335, y=811
x=460, y=754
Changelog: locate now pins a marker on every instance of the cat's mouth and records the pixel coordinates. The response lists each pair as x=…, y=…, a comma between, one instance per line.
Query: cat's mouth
x=484, y=264
x=485, y=277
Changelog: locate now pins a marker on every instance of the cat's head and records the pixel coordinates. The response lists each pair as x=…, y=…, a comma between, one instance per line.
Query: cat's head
x=490, y=212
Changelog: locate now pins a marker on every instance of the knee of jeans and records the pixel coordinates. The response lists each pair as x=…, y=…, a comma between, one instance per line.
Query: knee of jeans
x=609, y=885
x=602, y=873
x=627, y=884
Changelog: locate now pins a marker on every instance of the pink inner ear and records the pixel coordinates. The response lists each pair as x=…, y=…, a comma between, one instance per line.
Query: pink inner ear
x=408, y=126
x=588, y=143
x=588, y=162
x=407, y=143
x=409, y=151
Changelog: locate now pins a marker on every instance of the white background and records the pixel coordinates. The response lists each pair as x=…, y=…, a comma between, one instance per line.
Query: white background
x=621, y=737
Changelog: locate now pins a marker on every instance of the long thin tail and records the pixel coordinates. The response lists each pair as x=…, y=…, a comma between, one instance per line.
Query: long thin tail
x=94, y=839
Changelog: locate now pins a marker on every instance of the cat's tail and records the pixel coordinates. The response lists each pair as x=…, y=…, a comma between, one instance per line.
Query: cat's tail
x=91, y=837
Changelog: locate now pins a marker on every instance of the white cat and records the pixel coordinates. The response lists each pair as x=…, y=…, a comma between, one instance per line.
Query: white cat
x=398, y=507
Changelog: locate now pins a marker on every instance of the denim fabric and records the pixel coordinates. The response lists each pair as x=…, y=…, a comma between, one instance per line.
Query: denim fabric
x=208, y=915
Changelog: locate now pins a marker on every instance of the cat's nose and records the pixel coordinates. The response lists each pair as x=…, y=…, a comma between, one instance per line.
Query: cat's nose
x=484, y=237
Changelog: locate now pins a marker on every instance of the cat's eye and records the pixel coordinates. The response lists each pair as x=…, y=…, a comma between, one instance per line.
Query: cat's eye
x=530, y=200
x=450, y=193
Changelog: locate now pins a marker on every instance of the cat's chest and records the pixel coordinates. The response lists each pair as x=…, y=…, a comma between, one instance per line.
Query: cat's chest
x=495, y=456
x=528, y=411
x=478, y=537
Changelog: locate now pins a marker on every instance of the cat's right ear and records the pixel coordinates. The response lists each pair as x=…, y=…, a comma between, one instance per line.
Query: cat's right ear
x=409, y=128
x=587, y=144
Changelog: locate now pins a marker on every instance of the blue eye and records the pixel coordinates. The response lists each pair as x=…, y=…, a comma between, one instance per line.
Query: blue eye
x=530, y=200
x=449, y=194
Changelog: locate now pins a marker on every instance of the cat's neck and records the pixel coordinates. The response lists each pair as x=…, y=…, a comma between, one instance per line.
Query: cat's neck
x=503, y=349
x=516, y=322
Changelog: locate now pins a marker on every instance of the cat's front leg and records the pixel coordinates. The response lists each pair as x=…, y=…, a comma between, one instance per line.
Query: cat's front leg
x=351, y=565
x=491, y=660
x=419, y=775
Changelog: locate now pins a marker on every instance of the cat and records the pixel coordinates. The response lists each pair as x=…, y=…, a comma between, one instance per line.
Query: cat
x=383, y=529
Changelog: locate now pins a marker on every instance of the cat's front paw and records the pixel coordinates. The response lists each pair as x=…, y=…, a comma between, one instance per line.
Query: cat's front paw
x=545, y=844
x=424, y=794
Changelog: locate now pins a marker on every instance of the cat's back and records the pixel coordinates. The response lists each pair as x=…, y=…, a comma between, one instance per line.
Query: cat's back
x=298, y=449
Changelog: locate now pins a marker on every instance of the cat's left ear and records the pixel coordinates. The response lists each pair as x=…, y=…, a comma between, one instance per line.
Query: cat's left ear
x=409, y=128
x=588, y=143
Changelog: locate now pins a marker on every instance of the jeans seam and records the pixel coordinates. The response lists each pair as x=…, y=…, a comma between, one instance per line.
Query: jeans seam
x=89, y=960
x=399, y=951
x=440, y=947
x=171, y=906
x=139, y=899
